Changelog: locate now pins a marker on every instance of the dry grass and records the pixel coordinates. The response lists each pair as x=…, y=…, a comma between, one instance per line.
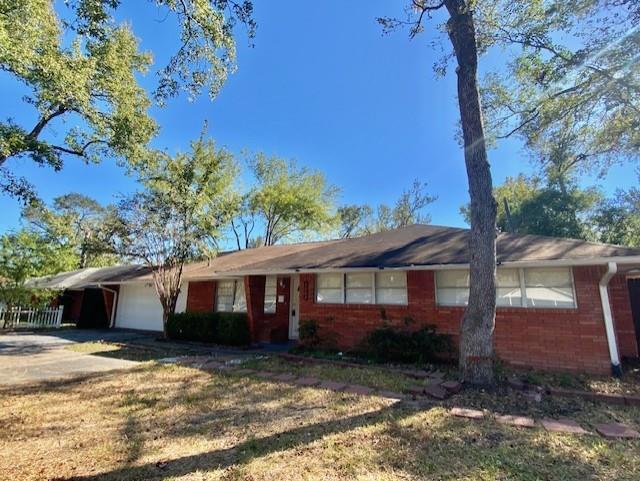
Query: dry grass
x=174, y=423
x=375, y=377
x=629, y=383
x=127, y=351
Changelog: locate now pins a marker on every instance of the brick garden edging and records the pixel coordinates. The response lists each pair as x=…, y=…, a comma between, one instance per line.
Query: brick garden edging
x=454, y=387
x=413, y=373
x=565, y=426
x=614, y=399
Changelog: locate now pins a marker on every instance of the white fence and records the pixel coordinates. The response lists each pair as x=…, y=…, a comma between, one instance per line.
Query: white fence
x=20, y=317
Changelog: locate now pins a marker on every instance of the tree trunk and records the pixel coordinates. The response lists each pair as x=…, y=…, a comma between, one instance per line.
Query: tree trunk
x=478, y=321
x=166, y=312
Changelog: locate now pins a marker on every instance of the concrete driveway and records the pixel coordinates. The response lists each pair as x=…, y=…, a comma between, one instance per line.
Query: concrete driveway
x=37, y=357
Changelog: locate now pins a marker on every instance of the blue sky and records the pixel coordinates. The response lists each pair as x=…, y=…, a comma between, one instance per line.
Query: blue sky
x=322, y=85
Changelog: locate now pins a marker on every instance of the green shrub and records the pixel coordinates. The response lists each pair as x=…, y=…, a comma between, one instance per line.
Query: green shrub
x=389, y=344
x=226, y=328
x=232, y=329
x=308, y=333
x=192, y=326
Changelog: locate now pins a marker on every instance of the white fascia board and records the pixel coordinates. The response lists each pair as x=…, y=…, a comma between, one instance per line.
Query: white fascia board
x=593, y=261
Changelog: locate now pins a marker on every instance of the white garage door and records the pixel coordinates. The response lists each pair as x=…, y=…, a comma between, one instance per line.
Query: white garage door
x=140, y=308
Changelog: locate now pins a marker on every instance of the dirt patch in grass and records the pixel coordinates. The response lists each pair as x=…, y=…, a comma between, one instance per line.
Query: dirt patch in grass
x=159, y=422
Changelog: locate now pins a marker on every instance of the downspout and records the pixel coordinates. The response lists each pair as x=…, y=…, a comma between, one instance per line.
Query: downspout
x=112, y=321
x=612, y=268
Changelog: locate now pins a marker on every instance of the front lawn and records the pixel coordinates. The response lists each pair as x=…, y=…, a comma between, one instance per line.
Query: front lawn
x=128, y=351
x=176, y=423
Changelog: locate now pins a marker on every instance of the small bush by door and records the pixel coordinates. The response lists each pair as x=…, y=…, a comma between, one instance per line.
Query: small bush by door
x=226, y=328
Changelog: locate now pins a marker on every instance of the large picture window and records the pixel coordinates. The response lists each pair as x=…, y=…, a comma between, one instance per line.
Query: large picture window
x=530, y=287
x=230, y=296
x=270, y=294
x=362, y=288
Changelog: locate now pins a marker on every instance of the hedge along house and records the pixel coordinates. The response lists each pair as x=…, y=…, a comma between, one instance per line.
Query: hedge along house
x=562, y=304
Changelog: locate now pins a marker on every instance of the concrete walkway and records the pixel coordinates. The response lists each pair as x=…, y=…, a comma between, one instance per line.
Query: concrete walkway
x=38, y=357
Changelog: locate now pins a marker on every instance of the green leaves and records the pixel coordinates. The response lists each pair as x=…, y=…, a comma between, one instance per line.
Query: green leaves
x=551, y=209
x=90, y=83
x=187, y=199
x=289, y=200
x=409, y=209
x=573, y=78
x=25, y=254
x=83, y=76
x=76, y=223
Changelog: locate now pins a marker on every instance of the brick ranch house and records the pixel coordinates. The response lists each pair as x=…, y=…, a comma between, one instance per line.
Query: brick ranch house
x=562, y=304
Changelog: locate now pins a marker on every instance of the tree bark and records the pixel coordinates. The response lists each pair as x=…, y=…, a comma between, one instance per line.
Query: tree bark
x=478, y=321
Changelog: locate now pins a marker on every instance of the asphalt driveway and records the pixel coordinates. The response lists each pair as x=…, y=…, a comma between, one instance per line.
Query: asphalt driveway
x=37, y=357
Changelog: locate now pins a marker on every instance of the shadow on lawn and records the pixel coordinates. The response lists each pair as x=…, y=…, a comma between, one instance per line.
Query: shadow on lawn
x=451, y=447
x=407, y=439
x=243, y=452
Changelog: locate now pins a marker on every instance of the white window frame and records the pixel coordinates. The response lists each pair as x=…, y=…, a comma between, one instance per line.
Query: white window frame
x=342, y=288
x=372, y=287
x=275, y=295
x=525, y=299
x=573, y=292
x=343, y=285
x=406, y=289
x=235, y=293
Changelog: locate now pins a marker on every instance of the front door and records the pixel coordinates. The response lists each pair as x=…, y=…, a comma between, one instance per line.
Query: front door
x=294, y=307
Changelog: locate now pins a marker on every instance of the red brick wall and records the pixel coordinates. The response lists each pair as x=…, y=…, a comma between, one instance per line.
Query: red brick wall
x=201, y=296
x=623, y=317
x=568, y=339
x=267, y=327
x=75, y=306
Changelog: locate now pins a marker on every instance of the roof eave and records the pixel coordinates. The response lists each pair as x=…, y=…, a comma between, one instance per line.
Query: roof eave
x=591, y=261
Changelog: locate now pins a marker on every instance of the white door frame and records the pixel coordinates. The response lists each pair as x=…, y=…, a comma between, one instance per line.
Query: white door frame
x=294, y=306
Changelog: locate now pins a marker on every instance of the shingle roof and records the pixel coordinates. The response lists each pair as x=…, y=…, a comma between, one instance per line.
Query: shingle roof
x=81, y=278
x=416, y=245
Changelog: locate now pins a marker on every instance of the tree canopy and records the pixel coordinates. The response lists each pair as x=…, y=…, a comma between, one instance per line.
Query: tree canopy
x=82, y=73
x=571, y=89
x=26, y=254
x=618, y=219
x=178, y=216
x=285, y=201
x=77, y=223
x=355, y=220
x=536, y=207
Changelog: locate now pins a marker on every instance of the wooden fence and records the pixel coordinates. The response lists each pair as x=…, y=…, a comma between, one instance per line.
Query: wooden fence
x=21, y=317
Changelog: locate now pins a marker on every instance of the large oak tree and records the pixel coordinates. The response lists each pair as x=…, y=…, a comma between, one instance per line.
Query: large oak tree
x=573, y=72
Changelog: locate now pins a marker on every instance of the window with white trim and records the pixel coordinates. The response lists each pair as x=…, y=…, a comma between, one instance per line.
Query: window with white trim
x=359, y=288
x=452, y=287
x=329, y=288
x=391, y=287
x=388, y=287
x=230, y=296
x=270, y=294
x=508, y=288
x=550, y=287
